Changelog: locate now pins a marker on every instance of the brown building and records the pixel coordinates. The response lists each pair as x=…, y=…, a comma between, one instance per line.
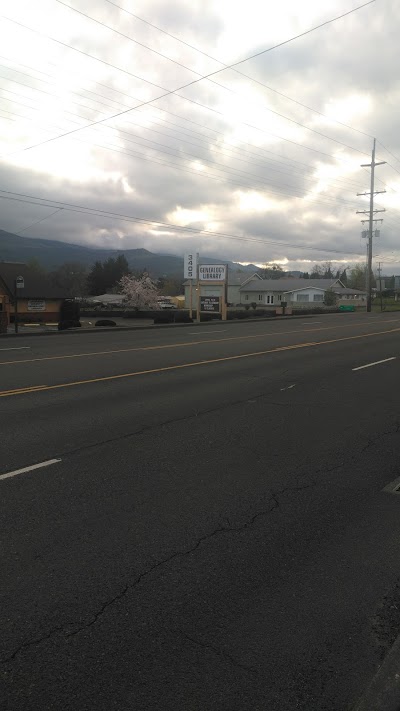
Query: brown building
x=38, y=301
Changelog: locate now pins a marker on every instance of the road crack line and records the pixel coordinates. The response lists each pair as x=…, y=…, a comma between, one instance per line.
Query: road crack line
x=219, y=652
x=128, y=587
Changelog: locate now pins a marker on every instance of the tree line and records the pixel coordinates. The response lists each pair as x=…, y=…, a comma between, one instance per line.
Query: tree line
x=353, y=277
x=75, y=279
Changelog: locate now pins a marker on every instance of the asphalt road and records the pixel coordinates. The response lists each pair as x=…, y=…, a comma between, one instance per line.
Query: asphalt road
x=214, y=534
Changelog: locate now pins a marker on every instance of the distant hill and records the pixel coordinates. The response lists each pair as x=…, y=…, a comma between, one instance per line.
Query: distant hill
x=50, y=253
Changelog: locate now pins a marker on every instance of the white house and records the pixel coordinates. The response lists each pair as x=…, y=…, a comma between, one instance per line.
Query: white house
x=272, y=292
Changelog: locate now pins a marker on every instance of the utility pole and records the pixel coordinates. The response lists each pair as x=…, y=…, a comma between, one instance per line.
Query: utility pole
x=371, y=213
x=380, y=283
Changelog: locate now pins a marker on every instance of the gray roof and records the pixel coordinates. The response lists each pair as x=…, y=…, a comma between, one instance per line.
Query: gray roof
x=285, y=285
x=340, y=290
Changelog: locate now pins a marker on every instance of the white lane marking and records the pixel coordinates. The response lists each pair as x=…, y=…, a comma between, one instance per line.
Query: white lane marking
x=20, y=348
x=289, y=387
x=29, y=469
x=393, y=487
x=377, y=362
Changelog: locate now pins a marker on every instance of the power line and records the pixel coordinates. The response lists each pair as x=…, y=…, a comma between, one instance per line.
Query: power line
x=167, y=135
x=204, y=160
x=172, y=165
x=195, y=81
x=220, y=113
x=390, y=153
x=164, y=56
x=47, y=217
x=225, y=66
x=207, y=108
x=263, y=150
x=43, y=91
x=131, y=218
x=263, y=186
x=183, y=118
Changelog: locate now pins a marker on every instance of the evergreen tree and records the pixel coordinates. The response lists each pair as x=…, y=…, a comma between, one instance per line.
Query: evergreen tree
x=96, y=282
x=106, y=276
x=71, y=277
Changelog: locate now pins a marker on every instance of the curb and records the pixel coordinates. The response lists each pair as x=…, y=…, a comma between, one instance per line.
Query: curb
x=152, y=327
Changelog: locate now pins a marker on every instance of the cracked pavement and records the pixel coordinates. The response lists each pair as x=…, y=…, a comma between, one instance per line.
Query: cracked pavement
x=209, y=541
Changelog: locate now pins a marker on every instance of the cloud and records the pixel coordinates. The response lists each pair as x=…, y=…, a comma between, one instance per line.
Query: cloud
x=213, y=156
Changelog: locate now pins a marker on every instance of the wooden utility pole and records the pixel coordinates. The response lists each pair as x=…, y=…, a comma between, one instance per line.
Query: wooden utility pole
x=380, y=283
x=371, y=212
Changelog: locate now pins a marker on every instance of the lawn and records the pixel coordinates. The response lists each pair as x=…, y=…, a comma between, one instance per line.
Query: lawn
x=388, y=304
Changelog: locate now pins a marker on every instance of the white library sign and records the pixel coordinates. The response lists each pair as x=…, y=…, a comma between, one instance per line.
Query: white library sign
x=212, y=272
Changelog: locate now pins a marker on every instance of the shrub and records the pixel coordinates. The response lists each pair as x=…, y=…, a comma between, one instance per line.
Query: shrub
x=173, y=314
x=210, y=317
x=247, y=306
x=243, y=314
x=63, y=325
x=253, y=305
x=163, y=318
x=315, y=310
x=260, y=313
x=330, y=298
x=105, y=322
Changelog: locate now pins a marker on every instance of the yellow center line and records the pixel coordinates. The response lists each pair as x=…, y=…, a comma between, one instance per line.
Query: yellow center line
x=191, y=365
x=18, y=391
x=187, y=344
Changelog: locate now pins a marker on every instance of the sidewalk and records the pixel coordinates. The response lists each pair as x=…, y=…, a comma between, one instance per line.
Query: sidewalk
x=138, y=325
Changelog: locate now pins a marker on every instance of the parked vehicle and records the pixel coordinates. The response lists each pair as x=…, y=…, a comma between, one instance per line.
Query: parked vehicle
x=165, y=303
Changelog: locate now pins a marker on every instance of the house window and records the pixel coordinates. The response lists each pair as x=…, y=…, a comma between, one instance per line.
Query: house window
x=270, y=298
x=279, y=297
x=303, y=297
x=318, y=297
x=246, y=298
x=260, y=298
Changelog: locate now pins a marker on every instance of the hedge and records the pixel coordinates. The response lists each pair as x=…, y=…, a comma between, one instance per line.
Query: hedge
x=251, y=314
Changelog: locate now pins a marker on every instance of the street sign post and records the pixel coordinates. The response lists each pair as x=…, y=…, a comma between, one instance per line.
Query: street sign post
x=19, y=283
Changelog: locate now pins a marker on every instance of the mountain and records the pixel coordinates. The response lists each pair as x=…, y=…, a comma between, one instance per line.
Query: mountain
x=50, y=253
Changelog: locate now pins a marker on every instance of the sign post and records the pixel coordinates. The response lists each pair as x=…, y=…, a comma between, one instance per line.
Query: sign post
x=18, y=284
x=198, y=304
x=190, y=272
x=225, y=307
x=213, y=274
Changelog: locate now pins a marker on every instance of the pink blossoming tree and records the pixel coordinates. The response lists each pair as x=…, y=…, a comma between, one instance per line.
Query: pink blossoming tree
x=140, y=293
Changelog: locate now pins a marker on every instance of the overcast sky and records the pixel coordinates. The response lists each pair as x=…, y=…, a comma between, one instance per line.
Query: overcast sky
x=213, y=156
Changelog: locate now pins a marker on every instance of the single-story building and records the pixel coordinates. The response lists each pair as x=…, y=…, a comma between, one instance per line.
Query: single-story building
x=111, y=300
x=38, y=300
x=350, y=296
x=236, y=279
x=271, y=292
